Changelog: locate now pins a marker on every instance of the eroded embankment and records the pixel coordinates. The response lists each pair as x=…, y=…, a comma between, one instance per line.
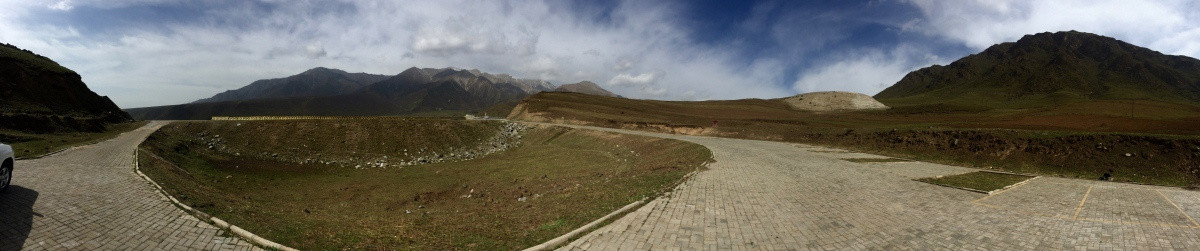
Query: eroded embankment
x=362, y=143
x=553, y=181
x=1151, y=159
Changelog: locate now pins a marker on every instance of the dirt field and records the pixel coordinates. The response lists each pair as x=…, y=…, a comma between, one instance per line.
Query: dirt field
x=1069, y=141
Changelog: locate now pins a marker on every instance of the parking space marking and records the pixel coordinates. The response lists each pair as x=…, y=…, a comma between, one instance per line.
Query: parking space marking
x=1189, y=217
x=1085, y=196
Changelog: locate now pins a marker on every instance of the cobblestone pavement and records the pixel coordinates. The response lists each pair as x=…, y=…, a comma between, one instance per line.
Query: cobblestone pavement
x=778, y=196
x=89, y=198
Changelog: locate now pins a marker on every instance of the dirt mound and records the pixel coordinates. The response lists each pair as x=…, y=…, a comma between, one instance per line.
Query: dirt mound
x=833, y=101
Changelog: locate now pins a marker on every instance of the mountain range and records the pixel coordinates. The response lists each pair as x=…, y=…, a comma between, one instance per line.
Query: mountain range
x=331, y=92
x=39, y=95
x=1049, y=69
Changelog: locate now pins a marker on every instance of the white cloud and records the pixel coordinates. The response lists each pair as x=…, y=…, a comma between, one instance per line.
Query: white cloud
x=866, y=72
x=64, y=5
x=315, y=51
x=462, y=35
x=622, y=65
x=230, y=46
x=982, y=23
x=624, y=79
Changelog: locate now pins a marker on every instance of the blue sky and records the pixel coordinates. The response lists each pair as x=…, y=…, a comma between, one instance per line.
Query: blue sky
x=154, y=52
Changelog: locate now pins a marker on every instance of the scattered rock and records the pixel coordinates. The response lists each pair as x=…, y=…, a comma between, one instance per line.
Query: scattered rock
x=507, y=137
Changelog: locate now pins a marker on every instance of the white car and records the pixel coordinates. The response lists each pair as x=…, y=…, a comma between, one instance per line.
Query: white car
x=6, y=169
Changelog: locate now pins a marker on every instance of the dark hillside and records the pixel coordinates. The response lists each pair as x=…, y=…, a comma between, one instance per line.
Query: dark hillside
x=1051, y=69
x=39, y=95
x=318, y=81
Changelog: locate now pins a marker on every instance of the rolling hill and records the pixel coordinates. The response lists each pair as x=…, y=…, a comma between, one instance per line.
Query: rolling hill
x=585, y=87
x=1051, y=69
x=38, y=95
x=330, y=92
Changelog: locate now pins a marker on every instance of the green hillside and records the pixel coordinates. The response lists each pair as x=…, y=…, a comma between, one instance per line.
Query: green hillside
x=1050, y=69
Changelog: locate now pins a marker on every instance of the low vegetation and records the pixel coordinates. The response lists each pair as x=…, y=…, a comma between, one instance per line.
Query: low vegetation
x=31, y=60
x=29, y=145
x=374, y=141
x=1152, y=159
x=979, y=181
x=874, y=160
x=556, y=179
x=1159, y=147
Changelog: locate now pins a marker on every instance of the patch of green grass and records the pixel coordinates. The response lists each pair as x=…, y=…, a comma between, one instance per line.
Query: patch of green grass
x=553, y=225
x=567, y=177
x=874, y=160
x=29, y=145
x=982, y=181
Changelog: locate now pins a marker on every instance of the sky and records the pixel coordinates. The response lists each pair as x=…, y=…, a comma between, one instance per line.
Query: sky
x=154, y=52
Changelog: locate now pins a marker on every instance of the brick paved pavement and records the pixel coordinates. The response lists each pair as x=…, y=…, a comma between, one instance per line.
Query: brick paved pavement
x=778, y=196
x=89, y=198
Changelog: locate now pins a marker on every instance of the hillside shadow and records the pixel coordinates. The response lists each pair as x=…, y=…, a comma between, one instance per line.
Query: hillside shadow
x=16, y=212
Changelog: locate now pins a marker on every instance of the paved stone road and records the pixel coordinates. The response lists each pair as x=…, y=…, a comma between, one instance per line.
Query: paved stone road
x=89, y=198
x=778, y=196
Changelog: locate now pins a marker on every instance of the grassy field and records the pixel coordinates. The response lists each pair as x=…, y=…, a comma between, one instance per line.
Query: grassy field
x=29, y=145
x=1081, y=140
x=981, y=181
x=556, y=180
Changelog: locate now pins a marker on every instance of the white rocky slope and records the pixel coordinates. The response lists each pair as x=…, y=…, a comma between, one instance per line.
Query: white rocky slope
x=833, y=101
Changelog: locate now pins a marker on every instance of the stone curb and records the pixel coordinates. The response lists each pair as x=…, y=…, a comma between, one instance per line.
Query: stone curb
x=241, y=233
x=959, y=188
x=60, y=150
x=562, y=240
x=1013, y=185
x=981, y=191
x=565, y=238
x=74, y=146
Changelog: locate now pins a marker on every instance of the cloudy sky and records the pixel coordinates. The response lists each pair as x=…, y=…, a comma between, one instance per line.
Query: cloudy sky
x=153, y=52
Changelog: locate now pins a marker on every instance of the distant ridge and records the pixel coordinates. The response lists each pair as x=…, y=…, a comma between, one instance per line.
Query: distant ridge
x=318, y=81
x=1048, y=69
x=331, y=92
x=585, y=87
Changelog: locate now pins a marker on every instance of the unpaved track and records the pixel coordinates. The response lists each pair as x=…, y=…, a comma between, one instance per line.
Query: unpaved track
x=89, y=198
x=778, y=196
